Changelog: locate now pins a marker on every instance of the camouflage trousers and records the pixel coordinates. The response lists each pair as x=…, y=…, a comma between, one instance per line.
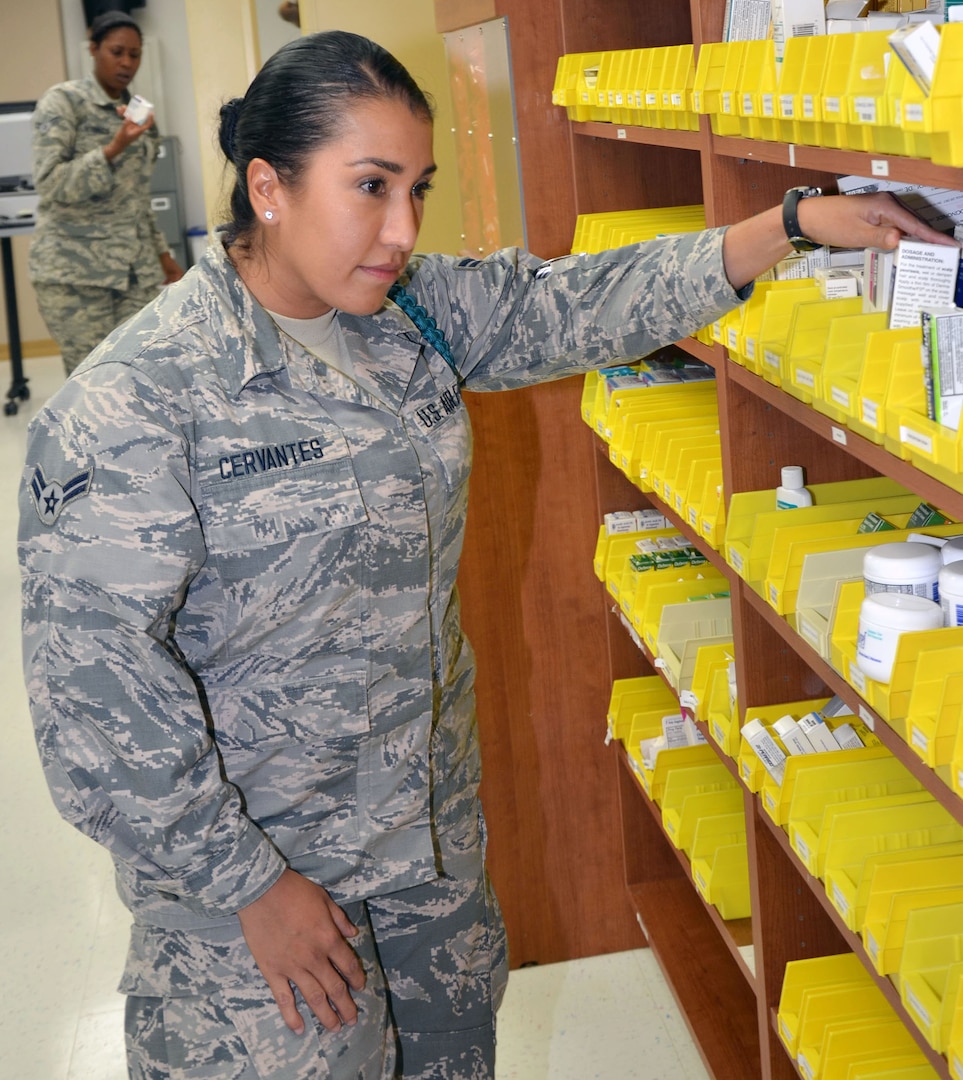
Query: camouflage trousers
x=80, y=317
x=436, y=965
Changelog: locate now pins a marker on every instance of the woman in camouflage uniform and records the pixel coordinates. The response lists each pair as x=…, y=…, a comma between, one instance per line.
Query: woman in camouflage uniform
x=241, y=522
x=98, y=255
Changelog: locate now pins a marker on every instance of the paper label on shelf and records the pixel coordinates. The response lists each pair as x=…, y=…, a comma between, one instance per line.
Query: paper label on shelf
x=677, y=100
x=735, y=561
x=869, y=412
x=768, y=106
x=865, y=109
x=688, y=700
x=879, y=167
x=872, y=945
x=747, y=104
x=839, y=901
x=804, y=1067
x=771, y=358
x=809, y=111
x=700, y=880
x=751, y=348
x=956, y=1066
x=808, y=631
x=841, y=397
x=769, y=800
x=857, y=679
x=773, y=595
x=919, y=739
x=840, y=436
x=914, y=112
x=800, y=847
x=805, y=378
x=733, y=338
x=917, y=1006
x=693, y=516
x=831, y=105
x=717, y=733
x=726, y=102
x=651, y=98
x=786, y=106
x=621, y=133
x=911, y=437
x=697, y=100
x=867, y=717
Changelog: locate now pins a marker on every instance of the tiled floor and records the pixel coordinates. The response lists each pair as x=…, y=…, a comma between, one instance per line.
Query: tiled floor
x=63, y=930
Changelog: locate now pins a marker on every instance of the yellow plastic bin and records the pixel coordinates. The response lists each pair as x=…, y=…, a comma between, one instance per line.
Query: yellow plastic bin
x=692, y=783
x=835, y=385
x=889, y=369
x=930, y=968
x=802, y=976
x=817, y=328
x=774, y=329
x=884, y=931
x=853, y=831
x=844, y=776
x=756, y=90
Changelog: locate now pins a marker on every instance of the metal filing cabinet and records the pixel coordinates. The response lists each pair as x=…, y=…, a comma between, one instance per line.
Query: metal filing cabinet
x=166, y=199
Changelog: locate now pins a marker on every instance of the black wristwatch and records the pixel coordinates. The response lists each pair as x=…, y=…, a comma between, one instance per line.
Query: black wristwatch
x=790, y=219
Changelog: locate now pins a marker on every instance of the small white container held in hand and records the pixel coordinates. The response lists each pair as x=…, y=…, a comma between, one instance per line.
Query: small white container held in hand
x=138, y=109
x=883, y=617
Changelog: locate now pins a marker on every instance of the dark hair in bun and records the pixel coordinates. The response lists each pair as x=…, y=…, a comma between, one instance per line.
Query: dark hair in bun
x=297, y=103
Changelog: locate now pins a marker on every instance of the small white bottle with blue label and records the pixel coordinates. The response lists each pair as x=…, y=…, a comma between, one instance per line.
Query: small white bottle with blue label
x=792, y=492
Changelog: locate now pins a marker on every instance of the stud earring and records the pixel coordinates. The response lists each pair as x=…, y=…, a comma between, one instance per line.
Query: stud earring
x=269, y=214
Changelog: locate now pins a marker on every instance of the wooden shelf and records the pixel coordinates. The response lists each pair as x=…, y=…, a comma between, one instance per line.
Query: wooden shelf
x=857, y=447
x=697, y=951
x=791, y=155
x=844, y=162
x=681, y=140
x=938, y=1061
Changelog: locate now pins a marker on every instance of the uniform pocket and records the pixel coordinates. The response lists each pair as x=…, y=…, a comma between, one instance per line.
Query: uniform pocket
x=275, y=503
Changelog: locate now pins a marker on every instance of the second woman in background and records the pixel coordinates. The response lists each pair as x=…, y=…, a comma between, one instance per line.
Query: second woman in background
x=98, y=255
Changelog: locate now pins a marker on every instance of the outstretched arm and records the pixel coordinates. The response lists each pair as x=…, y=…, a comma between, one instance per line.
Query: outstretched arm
x=851, y=221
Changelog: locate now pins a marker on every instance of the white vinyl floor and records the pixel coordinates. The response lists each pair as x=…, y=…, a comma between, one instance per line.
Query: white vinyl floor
x=63, y=930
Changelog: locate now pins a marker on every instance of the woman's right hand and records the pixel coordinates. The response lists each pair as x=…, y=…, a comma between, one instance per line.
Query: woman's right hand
x=125, y=135
x=296, y=933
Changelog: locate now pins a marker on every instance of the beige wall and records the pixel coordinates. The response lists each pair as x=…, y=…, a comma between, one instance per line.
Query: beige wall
x=32, y=61
x=408, y=31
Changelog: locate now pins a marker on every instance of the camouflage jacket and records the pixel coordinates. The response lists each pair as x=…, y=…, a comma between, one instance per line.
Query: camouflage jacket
x=94, y=218
x=241, y=629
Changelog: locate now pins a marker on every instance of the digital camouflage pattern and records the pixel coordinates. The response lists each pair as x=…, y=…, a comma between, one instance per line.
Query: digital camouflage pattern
x=94, y=220
x=241, y=628
x=95, y=226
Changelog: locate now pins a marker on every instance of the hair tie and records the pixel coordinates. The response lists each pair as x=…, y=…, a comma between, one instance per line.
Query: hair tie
x=230, y=114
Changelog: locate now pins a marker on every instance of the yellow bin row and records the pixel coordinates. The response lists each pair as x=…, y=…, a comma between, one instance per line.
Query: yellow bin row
x=617, y=228
x=665, y=439
x=848, y=91
x=642, y=87
x=836, y=1024
x=848, y=366
x=703, y=811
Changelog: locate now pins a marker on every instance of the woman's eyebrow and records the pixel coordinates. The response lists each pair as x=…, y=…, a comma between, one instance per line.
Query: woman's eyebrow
x=390, y=166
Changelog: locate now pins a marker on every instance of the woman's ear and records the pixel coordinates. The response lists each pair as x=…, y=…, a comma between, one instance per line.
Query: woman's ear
x=264, y=190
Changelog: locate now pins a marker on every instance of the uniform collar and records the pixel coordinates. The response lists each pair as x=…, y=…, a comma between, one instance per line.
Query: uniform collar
x=96, y=94
x=384, y=347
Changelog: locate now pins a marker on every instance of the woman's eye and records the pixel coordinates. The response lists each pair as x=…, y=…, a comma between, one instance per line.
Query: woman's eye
x=421, y=190
x=374, y=186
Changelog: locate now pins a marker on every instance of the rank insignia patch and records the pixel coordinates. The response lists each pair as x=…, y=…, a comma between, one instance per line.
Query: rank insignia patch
x=51, y=496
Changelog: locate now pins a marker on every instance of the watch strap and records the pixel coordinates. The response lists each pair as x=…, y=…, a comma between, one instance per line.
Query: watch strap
x=790, y=217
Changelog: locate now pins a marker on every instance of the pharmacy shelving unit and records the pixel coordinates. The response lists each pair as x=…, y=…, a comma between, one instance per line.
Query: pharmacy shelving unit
x=549, y=648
